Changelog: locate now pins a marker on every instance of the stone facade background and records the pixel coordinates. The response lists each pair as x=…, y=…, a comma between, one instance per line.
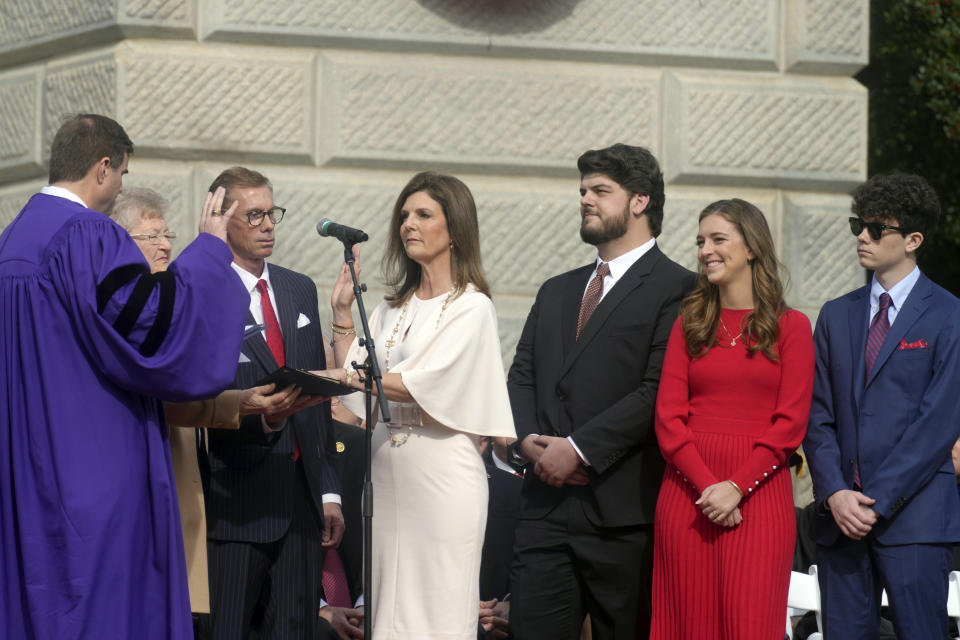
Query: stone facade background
x=339, y=103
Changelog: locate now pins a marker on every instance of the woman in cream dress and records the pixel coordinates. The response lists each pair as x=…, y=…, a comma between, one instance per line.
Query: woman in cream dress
x=437, y=341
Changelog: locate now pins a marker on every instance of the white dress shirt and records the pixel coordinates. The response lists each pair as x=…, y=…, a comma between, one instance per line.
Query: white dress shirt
x=898, y=295
x=256, y=310
x=256, y=307
x=60, y=192
x=618, y=266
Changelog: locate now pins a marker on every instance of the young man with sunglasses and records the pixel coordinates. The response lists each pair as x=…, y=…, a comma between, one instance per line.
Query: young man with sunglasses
x=884, y=417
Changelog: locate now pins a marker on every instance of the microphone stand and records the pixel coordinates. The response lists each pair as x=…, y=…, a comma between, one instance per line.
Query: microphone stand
x=372, y=375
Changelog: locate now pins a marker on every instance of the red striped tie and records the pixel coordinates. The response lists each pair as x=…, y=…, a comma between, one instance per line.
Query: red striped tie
x=879, y=328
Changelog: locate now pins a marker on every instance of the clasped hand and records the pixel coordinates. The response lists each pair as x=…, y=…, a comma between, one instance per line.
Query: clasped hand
x=554, y=459
x=348, y=623
x=720, y=503
x=495, y=618
x=852, y=513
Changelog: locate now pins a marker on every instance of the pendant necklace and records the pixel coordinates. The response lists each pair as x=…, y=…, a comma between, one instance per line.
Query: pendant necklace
x=392, y=341
x=399, y=436
x=733, y=341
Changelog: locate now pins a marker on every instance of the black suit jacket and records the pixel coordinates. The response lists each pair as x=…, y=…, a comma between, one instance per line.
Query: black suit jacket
x=602, y=388
x=252, y=474
x=350, y=452
x=502, y=509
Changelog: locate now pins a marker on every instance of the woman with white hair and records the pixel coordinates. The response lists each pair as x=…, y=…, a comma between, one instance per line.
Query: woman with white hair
x=141, y=212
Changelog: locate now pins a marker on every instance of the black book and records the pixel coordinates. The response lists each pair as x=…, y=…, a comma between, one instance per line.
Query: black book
x=312, y=385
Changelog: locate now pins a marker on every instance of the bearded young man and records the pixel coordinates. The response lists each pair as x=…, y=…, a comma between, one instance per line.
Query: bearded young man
x=583, y=386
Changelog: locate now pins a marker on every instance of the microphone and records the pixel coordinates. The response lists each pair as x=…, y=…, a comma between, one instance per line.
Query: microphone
x=330, y=229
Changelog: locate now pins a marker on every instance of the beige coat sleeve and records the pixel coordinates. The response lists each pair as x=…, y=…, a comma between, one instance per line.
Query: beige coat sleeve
x=222, y=412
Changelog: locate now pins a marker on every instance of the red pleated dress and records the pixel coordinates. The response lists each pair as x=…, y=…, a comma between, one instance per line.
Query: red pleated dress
x=729, y=415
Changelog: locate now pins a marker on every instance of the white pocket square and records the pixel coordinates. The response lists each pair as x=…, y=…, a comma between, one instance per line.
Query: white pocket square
x=302, y=321
x=243, y=358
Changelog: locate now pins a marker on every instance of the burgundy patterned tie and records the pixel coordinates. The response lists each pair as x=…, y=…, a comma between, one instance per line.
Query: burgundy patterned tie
x=336, y=591
x=879, y=328
x=592, y=297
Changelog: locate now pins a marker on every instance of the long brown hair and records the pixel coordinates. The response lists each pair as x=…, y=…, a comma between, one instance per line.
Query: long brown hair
x=701, y=308
x=402, y=274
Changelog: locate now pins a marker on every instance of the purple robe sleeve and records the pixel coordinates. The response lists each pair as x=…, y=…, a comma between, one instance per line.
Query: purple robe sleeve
x=90, y=541
x=174, y=335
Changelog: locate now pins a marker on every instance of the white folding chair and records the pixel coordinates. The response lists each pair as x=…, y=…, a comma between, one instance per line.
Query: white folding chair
x=953, y=598
x=804, y=595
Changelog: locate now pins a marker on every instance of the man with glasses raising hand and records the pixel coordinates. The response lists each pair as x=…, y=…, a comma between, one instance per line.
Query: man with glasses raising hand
x=273, y=493
x=882, y=424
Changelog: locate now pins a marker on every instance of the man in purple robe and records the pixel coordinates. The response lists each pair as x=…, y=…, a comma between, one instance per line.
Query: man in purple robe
x=90, y=541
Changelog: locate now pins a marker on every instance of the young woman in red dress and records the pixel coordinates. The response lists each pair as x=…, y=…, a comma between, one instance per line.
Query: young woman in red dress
x=732, y=406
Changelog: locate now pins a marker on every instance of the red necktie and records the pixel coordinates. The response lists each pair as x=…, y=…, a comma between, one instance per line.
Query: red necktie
x=334, y=580
x=274, y=337
x=592, y=297
x=879, y=328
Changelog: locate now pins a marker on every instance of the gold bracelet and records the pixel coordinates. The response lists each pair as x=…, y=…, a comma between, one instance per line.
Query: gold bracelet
x=739, y=490
x=341, y=326
x=342, y=332
x=348, y=376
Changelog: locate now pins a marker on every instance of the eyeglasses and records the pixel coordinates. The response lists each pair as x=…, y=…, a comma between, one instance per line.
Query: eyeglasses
x=255, y=217
x=154, y=238
x=875, y=229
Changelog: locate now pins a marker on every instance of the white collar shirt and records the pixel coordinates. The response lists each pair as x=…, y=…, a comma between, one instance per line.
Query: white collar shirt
x=256, y=306
x=619, y=266
x=898, y=295
x=60, y=192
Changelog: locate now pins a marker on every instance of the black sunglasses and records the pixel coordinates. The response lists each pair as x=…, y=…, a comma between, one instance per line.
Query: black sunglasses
x=875, y=229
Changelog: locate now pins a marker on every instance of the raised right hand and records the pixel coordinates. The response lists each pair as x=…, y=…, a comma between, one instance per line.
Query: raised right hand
x=341, y=299
x=216, y=223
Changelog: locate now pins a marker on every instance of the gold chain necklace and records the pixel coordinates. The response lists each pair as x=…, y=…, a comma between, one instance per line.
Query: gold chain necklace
x=392, y=340
x=733, y=342
x=399, y=436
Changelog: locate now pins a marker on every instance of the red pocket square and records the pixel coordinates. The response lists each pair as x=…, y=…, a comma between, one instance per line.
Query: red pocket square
x=916, y=344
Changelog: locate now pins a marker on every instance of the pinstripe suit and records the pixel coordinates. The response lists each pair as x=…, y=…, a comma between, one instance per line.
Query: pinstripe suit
x=264, y=510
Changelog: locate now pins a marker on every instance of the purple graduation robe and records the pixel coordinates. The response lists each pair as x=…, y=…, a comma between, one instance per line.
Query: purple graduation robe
x=90, y=541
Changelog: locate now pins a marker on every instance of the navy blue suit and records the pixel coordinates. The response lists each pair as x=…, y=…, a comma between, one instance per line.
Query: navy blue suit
x=898, y=424
x=264, y=510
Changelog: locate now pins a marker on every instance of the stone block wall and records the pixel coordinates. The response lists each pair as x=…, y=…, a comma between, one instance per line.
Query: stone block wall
x=339, y=103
